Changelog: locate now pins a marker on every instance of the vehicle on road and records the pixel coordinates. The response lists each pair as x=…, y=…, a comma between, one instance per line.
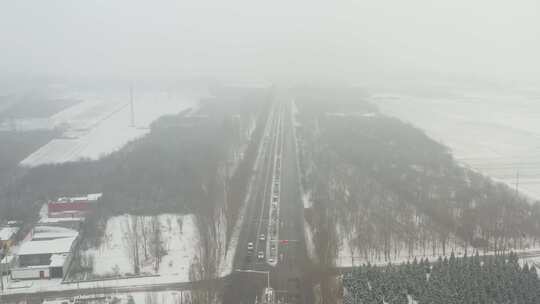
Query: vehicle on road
x=262, y=237
x=260, y=255
x=250, y=246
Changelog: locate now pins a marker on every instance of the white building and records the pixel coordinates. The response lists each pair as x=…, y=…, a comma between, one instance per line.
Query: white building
x=46, y=255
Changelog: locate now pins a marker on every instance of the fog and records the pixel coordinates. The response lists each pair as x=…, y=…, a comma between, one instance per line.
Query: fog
x=273, y=40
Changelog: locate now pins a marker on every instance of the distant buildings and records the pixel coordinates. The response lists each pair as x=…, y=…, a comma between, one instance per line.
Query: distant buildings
x=48, y=249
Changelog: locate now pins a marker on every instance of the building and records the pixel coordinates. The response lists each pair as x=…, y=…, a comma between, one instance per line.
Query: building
x=46, y=255
x=72, y=206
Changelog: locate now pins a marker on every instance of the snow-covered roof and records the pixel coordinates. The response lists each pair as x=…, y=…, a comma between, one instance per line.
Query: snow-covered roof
x=6, y=233
x=58, y=260
x=49, y=239
x=52, y=232
x=92, y=197
x=60, y=245
x=50, y=220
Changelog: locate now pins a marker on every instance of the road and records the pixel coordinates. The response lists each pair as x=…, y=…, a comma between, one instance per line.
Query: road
x=276, y=174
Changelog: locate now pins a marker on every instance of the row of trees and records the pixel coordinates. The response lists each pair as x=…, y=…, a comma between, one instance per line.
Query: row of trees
x=474, y=279
x=162, y=172
x=386, y=191
x=223, y=193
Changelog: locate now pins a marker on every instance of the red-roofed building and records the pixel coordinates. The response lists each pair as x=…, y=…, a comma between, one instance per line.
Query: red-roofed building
x=72, y=206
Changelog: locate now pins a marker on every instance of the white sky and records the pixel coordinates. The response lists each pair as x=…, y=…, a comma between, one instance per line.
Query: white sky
x=277, y=39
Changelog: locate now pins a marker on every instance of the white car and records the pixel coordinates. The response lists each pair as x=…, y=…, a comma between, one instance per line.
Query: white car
x=262, y=237
x=260, y=255
x=250, y=246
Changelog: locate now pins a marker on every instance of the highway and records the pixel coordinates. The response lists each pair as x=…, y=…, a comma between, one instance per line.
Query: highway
x=275, y=191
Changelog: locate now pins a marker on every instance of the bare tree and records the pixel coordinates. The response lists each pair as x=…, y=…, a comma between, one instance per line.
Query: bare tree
x=131, y=238
x=156, y=243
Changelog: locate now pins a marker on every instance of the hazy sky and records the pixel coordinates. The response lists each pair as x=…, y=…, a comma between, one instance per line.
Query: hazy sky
x=272, y=39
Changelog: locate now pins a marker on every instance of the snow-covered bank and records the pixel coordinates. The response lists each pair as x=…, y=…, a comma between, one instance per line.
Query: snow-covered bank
x=178, y=237
x=498, y=135
x=101, y=125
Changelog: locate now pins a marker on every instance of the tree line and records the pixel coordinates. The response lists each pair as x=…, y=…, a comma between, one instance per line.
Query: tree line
x=470, y=279
x=383, y=190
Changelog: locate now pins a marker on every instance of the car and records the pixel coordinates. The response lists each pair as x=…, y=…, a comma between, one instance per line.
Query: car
x=270, y=260
x=262, y=237
x=260, y=255
x=250, y=246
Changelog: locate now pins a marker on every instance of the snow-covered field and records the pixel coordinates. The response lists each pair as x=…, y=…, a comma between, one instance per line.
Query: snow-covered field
x=498, y=135
x=101, y=125
x=179, y=237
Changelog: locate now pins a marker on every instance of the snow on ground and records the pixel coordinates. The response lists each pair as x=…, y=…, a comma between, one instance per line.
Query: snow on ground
x=355, y=257
x=99, y=126
x=310, y=245
x=498, y=135
x=306, y=200
x=26, y=124
x=179, y=236
x=35, y=286
x=6, y=233
x=306, y=195
x=160, y=297
x=155, y=297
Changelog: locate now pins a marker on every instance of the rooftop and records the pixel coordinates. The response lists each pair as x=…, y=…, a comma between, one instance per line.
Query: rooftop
x=61, y=245
x=49, y=240
x=50, y=220
x=52, y=232
x=88, y=198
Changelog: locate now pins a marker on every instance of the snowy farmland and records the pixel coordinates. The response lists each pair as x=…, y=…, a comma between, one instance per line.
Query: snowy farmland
x=101, y=125
x=498, y=135
x=178, y=236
